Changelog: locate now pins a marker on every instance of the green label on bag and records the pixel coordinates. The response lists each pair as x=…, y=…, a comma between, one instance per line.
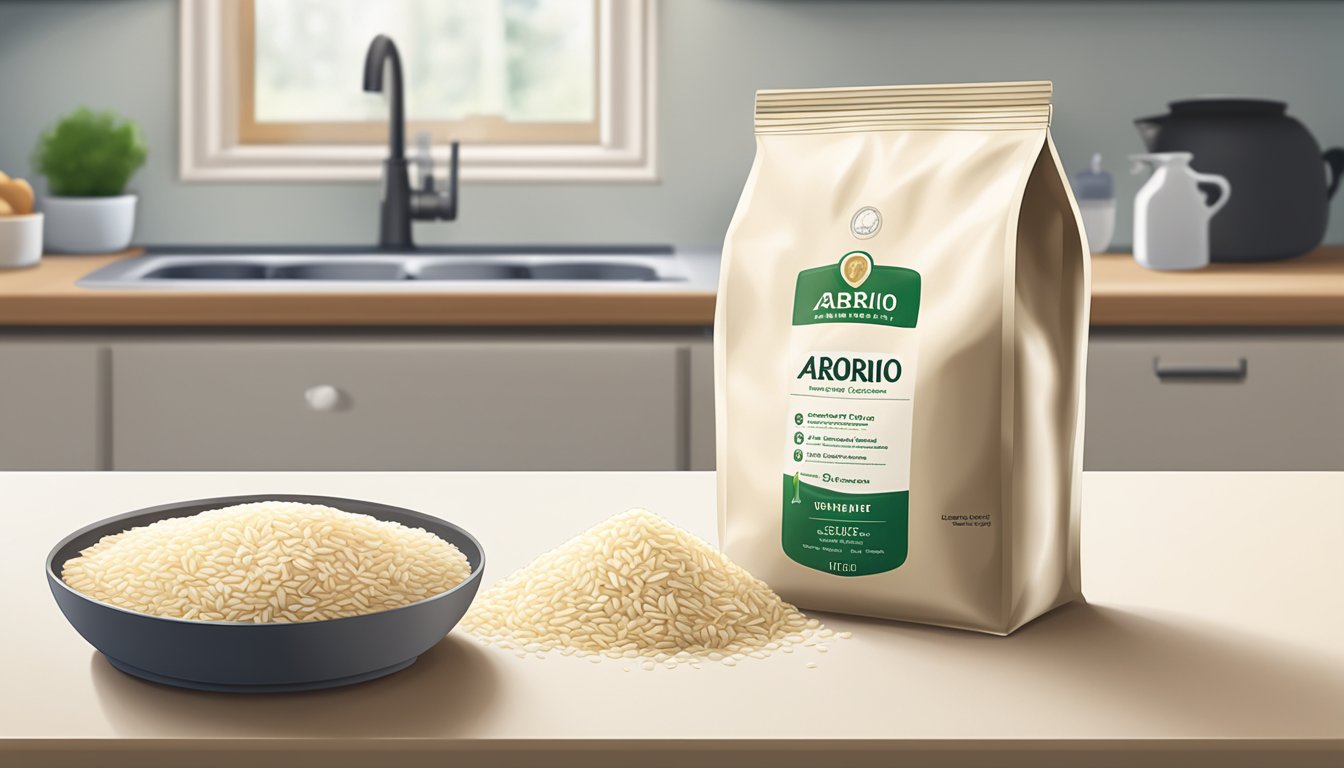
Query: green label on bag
x=850, y=418
x=847, y=534
x=855, y=290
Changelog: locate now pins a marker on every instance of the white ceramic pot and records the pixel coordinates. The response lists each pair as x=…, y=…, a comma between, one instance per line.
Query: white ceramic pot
x=1171, y=215
x=20, y=240
x=89, y=224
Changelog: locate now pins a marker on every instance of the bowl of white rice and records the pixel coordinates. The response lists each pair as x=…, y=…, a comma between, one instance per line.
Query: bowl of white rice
x=265, y=593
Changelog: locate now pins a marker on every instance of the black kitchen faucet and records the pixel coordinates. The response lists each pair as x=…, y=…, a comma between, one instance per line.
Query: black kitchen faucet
x=400, y=203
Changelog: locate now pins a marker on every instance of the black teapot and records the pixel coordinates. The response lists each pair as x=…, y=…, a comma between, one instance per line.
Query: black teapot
x=1281, y=181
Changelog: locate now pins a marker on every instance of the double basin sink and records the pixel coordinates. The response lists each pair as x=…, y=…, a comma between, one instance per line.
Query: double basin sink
x=362, y=269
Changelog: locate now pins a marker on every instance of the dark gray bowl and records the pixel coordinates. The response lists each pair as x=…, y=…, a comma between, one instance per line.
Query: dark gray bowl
x=251, y=658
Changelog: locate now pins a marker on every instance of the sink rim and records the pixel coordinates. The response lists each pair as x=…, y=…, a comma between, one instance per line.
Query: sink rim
x=654, y=250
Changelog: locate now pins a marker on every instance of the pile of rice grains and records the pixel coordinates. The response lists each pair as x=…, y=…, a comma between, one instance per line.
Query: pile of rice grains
x=267, y=562
x=637, y=589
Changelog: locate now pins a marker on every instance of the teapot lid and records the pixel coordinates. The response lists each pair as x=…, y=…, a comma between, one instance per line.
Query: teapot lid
x=1227, y=105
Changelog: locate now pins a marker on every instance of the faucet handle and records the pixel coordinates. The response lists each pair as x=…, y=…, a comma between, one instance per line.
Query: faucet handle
x=424, y=160
x=428, y=202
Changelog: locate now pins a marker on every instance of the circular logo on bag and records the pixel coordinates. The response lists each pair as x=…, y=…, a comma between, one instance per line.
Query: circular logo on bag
x=866, y=222
x=855, y=268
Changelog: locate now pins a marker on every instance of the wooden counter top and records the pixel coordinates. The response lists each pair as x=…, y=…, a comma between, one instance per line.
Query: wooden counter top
x=1211, y=637
x=1302, y=292
x=1306, y=291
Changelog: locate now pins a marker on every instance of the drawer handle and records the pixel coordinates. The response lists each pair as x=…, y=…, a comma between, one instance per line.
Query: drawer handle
x=323, y=398
x=1179, y=372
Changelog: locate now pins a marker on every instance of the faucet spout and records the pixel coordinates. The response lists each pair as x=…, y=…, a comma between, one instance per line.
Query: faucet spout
x=383, y=52
x=394, y=219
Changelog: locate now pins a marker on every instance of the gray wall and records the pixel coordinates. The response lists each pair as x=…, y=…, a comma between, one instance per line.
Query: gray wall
x=1110, y=61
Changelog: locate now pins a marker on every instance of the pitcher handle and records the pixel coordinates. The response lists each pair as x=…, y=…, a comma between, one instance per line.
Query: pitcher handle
x=1334, y=160
x=1224, y=189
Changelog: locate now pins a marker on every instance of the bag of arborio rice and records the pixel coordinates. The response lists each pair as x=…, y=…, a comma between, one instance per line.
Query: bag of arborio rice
x=899, y=353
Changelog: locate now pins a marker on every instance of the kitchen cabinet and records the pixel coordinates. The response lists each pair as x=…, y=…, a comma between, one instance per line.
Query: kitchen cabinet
x=50, y=405
x=356, y=401
x=701, y=388
x=609, y=400
x=396, y=405
x=1215, y=401
x=1173, y=399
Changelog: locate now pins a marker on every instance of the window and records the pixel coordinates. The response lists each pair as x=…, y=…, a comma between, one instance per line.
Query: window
x=484, y=71
x=533, y=89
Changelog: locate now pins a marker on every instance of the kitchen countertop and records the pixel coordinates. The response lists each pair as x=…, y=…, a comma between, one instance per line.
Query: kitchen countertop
x=1302, y=292
x=46, y=295
x=1211, y=638
x=1308, y=291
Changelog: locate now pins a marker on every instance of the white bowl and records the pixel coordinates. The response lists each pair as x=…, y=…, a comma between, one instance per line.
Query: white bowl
x=89, y=224
x=20, y=240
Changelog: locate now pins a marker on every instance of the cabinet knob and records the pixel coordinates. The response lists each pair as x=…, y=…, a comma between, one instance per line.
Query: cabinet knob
x=322, y=397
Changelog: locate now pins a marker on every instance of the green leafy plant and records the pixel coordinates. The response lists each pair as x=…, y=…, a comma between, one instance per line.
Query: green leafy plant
x=90, y=154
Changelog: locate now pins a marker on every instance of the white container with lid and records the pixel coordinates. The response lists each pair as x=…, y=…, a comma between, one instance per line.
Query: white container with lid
x=1094, y=189
x=1171, y=215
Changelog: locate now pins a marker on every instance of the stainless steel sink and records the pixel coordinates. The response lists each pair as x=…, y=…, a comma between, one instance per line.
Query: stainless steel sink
x=337, y=270
x=473, y=270
x=216, y=271
x=593, y=271
x=343, y=269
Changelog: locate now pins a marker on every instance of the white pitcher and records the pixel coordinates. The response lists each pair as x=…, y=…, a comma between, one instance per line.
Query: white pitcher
x=1171, y=217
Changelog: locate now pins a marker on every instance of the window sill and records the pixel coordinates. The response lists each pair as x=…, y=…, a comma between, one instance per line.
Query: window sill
x=532, y=163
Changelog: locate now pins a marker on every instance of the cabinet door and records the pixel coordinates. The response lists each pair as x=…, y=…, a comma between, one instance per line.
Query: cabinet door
x=702, y=405
x=1194, y=402
x=50, y=397
x=493, y=404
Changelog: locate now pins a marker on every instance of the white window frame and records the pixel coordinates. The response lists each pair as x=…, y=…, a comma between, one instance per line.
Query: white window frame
x=625, y=152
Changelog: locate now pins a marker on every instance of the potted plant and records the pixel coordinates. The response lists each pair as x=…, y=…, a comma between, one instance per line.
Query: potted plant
x=87, y=158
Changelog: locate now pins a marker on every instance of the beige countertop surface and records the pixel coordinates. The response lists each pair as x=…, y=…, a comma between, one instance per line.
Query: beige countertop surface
x=1308, y=291
x=1212, y=636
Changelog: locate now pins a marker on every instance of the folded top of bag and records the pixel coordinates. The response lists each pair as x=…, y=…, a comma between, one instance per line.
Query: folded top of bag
x=951, y=106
